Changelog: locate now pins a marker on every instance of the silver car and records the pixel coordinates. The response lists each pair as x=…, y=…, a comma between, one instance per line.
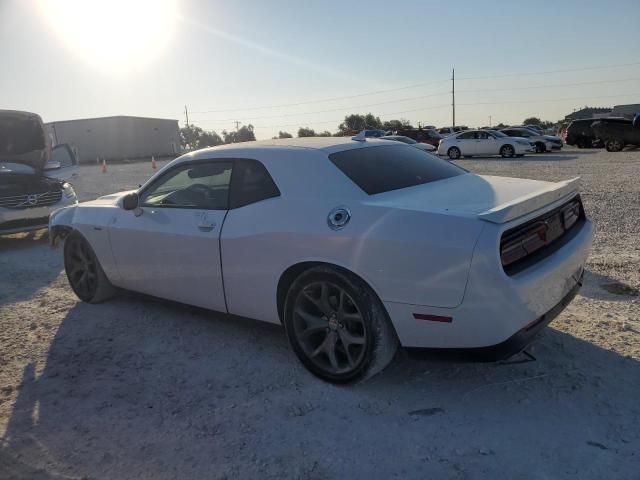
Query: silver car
x=33, y=176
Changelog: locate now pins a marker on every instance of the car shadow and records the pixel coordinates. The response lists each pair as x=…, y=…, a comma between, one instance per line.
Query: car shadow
x=38, y=267
x=603, y=287
x=139, y=388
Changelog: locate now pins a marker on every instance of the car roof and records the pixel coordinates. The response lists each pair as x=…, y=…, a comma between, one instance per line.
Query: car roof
x=326, y=144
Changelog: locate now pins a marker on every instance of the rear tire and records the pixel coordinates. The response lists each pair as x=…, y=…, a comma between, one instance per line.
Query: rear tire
x=540, y=147
x=454, y=153
x=84, y=272
x=337, y=326
x=614, y=145
x=507, y=151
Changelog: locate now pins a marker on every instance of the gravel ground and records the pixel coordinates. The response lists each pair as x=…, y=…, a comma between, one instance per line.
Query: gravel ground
x=144, y=389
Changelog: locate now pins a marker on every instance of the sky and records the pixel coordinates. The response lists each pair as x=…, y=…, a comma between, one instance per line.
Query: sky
x=282, y=64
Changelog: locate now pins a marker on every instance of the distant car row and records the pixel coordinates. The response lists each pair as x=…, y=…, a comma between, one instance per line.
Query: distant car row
x=613, y=133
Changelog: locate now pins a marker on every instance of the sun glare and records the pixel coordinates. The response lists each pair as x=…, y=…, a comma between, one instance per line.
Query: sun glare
x=116, y=36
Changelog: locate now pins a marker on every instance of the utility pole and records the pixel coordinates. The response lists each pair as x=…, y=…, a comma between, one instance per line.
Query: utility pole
x=489, y=120
x=186, y=114
x=237, y=124
x=453, y=95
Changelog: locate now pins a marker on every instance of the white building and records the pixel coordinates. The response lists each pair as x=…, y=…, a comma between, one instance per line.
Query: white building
x=118, y=137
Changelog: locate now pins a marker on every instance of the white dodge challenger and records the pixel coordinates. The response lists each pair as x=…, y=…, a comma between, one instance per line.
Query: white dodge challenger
x=356, y=246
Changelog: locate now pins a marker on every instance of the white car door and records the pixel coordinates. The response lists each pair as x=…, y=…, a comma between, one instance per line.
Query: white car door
x=169, y=246
x=63, y=164
x=466, y=142
x=485, y=144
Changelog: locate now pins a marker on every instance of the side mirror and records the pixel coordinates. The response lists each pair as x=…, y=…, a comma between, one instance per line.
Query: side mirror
x=130, y=201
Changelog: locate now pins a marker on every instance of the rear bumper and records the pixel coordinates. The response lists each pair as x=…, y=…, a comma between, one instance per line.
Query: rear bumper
x=497, y=308
x=519, y=340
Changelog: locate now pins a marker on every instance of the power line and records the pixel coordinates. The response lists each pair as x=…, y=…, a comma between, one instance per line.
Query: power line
x=321, y=100
x=596, y=82
x=421, y=97
x=339, y=109
x=407, y=87
x=458, y=104
x=582, y=69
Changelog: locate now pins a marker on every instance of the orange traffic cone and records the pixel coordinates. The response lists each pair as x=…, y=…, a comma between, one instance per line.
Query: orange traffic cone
x=153, y=163
x=104, y=166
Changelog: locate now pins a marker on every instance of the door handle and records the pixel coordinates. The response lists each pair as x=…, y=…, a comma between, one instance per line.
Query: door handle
x=206, y=227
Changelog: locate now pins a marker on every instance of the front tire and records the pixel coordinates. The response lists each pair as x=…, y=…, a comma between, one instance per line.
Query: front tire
x=84, y=272
x=507, y=151
x=454, y=153
x=337, y=326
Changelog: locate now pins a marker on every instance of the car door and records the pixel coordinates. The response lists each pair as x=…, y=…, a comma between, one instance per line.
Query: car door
x=169, y=246
x=63, y=164
x=485, y=144
x=250, y=279
x=466, y=142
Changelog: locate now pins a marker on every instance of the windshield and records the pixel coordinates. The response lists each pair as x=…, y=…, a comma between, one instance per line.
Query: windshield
x=385, y=168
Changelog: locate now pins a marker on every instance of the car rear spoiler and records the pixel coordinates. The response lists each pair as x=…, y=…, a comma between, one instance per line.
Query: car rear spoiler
x=529, y=203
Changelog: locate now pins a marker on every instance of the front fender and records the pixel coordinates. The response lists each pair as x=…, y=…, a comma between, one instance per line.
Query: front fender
x=60, y=224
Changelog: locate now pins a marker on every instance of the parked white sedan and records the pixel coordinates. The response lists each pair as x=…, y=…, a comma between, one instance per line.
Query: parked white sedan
x=483, y=143
x=355, y=246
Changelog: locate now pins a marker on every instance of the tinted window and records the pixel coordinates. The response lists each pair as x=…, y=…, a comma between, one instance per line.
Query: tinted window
x=195, y=185
x=251, y=183
x=63, y=155
x=385, y=168
x=467, y=136
x=482, y=135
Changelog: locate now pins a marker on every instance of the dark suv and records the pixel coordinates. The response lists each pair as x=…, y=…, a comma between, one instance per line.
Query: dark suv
x=423, y=135
x=616, y=133
x=580, y=134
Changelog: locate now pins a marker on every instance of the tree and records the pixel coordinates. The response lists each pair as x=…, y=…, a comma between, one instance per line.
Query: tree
x=306, y=132
x=532, y=121
x=326, y=133
x=538, y=122
x=401, y=124
x=284, y=135
x=209, y=139
x=359, y=122
x=193, y=138
x=243, y=134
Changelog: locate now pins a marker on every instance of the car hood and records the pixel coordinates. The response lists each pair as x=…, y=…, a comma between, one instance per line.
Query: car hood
x=110, y=200
x=23, y=139
x=490, y=198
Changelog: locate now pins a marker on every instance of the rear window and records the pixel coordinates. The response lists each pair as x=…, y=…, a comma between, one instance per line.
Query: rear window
x=385, y=168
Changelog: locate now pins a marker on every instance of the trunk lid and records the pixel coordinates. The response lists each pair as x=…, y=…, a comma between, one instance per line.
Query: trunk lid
x=489, y=198
x=23, y=139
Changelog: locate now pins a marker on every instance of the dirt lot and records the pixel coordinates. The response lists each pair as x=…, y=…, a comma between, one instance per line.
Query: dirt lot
x=142, y=389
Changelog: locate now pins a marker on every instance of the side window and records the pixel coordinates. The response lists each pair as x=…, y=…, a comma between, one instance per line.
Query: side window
x=251, y=183
x=510, y=133
x=62, y=154
x=202, y=185
x=482, y=135
x=467, y=136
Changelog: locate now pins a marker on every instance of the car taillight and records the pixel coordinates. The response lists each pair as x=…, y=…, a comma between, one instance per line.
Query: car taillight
x=523, y=244
x=530, y=238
